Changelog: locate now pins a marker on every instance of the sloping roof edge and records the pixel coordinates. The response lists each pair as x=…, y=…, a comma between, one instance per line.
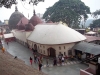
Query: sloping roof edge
x=88, y=48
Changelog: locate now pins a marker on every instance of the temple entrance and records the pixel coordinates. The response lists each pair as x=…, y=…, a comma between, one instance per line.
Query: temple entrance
x=51, y=52
x=35, y=48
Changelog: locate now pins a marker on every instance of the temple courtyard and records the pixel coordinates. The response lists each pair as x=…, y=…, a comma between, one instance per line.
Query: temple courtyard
x=23, y=53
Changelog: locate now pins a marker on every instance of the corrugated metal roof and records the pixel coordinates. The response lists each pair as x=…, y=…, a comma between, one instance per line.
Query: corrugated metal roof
x=88, y=48
x=2, y=23
x=91, y=38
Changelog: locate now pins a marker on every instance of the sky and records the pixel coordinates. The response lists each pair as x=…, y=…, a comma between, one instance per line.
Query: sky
x=26, y=9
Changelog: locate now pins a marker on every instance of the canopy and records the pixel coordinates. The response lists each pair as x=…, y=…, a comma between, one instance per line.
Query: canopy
x=91, y=32
x=10, y=35
x=88, y=48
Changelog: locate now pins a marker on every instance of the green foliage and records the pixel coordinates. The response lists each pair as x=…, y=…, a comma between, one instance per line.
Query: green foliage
x=99, y=31
x=67, y=11
x=9, y=3
x=96, y=13
x=96, y=23
x=87, y=29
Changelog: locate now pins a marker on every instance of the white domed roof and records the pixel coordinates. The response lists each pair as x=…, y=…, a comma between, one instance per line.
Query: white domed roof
x=55, y=34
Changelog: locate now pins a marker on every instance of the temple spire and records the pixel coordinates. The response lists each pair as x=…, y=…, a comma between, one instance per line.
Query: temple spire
x=34, y=12
x=28, y=15
x=16, y=9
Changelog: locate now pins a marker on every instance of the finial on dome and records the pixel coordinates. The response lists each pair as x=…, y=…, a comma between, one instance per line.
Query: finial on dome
x=28, y=15
x=34, y=12
x=21, y=22
x=16, y=9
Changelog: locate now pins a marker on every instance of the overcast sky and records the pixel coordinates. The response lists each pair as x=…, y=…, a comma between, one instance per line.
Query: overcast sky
x=41, y=8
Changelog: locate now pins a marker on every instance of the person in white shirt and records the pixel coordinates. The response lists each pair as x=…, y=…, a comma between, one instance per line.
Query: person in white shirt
x=62, y=59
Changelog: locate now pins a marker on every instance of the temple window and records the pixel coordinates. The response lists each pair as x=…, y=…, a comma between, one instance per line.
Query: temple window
x=44, y=51
x=59, y=48
x=59, y=53
x=64, y=47
x=41, y=50
x=38, y=47
x=64, y=53
x=69, y=52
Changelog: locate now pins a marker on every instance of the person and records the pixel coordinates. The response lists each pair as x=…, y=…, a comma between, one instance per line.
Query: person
x=40, y=65
x=38, y=60
x=65, y=57
x=60, y=62
x=55, y=62
x=35, y=58
x=47, y=62
x=79, y=56
x=83, y=57
x=31, y=60
x=7, y=42
x=3, y=49
x=15, y=57
x=62, y=59
x=41, y=58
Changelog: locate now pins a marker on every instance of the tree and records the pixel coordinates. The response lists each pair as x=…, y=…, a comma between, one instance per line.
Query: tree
x=8, y=3
x=95, y=24
x=67, y=11
x=96, y=13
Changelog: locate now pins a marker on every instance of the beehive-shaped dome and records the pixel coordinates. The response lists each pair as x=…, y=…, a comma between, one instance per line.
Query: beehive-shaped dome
x=29, y=27
x=21, y=24
x=55, y=34
x=35, y=20
x=15, y=18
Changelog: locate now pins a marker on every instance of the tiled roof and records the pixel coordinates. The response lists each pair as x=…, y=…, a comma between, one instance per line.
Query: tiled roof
x=91, y=38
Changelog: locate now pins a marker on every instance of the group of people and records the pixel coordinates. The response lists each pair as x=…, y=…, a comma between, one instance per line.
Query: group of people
x=38, y=60
x=59, y=60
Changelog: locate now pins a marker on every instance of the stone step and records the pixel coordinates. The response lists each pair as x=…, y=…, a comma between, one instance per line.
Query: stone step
x=63, y=64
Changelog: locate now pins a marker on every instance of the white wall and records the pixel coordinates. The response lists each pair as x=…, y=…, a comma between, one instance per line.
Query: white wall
x=28, y=33
x=43, y=48
x=21, y=35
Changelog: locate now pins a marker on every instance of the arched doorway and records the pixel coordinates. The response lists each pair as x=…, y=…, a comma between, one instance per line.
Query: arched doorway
x=35, y=48
x=51, y=52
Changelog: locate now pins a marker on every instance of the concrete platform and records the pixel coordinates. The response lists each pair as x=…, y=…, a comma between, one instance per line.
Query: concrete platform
x=23, y=53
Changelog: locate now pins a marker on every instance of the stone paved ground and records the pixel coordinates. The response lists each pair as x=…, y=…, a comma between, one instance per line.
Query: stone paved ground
x=70, y=68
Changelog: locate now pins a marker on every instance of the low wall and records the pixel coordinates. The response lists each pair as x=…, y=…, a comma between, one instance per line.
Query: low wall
x=90, y=71
x=83, y=72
